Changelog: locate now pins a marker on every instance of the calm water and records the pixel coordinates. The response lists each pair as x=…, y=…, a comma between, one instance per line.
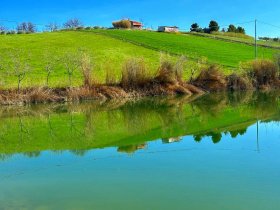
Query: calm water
x=215, y=152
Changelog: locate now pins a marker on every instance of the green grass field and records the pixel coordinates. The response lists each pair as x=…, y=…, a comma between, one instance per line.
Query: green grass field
x=238, y=38
x=106, y=53
x=110, y=49
x=217, y=51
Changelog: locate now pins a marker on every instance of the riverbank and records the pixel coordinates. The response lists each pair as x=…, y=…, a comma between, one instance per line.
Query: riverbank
x=136, y=82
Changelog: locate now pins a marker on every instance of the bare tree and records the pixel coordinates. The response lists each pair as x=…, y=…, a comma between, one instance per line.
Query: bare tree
x=52, y=27
x=22, y=27
x=72, y=23
x=26, y=27
x=31, y=27
x=49, y=67
x=2, y=28
x=18, y=67
x=71, y=64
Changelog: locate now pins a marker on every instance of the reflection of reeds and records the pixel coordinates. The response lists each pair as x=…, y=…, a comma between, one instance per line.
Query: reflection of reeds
x=78, y=127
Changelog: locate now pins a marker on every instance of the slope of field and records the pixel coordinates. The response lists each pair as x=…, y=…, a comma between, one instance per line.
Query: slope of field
x=217, y=51
x=246, y=40
x=107, y=53
x=109, y=50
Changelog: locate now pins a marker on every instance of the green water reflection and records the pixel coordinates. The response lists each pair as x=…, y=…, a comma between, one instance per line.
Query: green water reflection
x=219, y=151
x=129, y=126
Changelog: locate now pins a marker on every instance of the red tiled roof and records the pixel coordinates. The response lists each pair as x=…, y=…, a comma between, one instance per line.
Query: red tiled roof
x=135, y=23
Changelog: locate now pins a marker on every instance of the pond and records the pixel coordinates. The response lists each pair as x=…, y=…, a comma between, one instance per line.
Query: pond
x=218, y=151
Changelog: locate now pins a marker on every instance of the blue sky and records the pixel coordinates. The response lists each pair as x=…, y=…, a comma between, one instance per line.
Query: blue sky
x=154, y=13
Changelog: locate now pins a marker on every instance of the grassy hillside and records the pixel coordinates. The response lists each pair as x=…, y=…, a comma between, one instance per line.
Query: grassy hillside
x=233, y=37
x=107, y=53
x=217, y=51
x=109, y=50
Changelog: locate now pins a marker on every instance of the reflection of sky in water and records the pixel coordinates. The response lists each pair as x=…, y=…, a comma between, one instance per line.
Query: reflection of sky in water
x=236, y=173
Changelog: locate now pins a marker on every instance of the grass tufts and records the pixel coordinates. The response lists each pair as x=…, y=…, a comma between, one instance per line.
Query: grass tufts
x=134, y=74
x=211, y=79
x=264, y=72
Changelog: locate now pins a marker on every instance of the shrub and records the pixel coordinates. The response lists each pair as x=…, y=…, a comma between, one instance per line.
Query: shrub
x=170, y=72
x=265, y=72
x=20, y=32
x=80, y=28
x=2, y=32
x=236, y=82
x=125, y=24
x=211, y=79
x=11, y=32
x=88, y=28
x=134, y=73
x=166, y=72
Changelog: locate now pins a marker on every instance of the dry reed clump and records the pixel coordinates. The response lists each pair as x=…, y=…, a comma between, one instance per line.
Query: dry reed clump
x=111, y=92
x=239, y=83
x=134, y=74
x=264, y=73
x=41, y=95
x=98, y=92
x=28, y=96
x=86, y=67
x=81, y=93
x=211, y=79
x=170, y=72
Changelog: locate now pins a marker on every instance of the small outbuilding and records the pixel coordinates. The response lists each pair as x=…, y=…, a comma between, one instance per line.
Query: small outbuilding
x=136, y=25
x=168, y=29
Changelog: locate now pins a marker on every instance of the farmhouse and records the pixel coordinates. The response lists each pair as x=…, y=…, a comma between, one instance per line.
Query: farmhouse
x=168, y=29
x=136, y=25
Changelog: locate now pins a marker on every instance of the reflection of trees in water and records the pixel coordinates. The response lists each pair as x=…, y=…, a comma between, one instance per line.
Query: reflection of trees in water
x=23, y=130
x=163, y=117
x=75, y=131
x=79, y=152
x=130, y=149
x=217, y=137
x=235, y=133
x=32, y=154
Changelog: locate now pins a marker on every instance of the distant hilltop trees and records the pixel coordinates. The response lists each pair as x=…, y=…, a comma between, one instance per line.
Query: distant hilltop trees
x=214, y=27
x=276, y=39
x=26, y=27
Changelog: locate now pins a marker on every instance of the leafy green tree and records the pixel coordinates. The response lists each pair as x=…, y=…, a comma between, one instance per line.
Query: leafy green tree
x=231, y=28
x=240, y=30
x=213, y=26
x=194, y=27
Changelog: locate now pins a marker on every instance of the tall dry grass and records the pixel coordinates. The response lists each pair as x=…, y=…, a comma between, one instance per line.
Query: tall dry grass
x=170, y=71
x=86, y=67
x=265, y=72
x=211, y=79
x=134, y=74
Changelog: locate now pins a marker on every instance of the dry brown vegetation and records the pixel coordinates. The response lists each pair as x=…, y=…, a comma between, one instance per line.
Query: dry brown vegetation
x=125, y=24
x=137, y=82
x=211, y=79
